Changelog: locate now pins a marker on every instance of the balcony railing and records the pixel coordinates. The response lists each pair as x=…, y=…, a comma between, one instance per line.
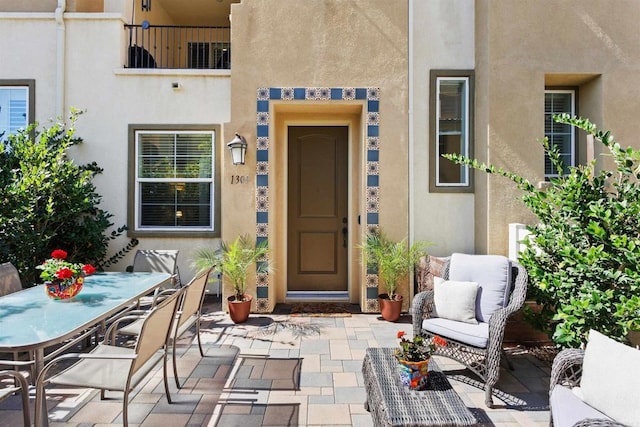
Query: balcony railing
x=178, y=47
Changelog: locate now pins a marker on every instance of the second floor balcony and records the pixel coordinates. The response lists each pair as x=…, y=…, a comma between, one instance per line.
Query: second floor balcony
x=178, y=47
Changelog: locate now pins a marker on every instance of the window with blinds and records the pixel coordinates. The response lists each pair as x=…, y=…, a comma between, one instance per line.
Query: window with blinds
x=14, y=109
x=561, y=136
x=174, y=180
x=451, y=129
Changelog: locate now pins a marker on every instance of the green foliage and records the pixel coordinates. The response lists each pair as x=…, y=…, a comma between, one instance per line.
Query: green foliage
x=583, y=256
x=233, y=261
x=48, y=201
x=392, y=260
x=628, y=313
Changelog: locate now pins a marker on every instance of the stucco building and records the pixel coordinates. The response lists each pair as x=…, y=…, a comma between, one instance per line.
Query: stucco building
x=346, y=106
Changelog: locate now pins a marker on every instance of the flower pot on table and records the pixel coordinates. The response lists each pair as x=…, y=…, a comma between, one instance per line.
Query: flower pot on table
x=62, y=290
x=414, y=374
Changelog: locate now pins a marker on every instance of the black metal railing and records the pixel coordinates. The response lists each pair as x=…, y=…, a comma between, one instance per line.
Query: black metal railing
x=178, y=47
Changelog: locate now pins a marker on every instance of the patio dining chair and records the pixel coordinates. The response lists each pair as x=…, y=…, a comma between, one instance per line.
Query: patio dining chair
x=188, y=315
x=114, y=367
x=469, y=307
x=13, y=381
x=9, y=279
x=156, y=261
x=10, y=283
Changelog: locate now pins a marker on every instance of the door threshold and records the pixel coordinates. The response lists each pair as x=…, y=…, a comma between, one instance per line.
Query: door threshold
x=342, y=296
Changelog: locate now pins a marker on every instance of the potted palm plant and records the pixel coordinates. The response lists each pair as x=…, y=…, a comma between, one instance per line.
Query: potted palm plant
x=392, y=261
x=233, y=261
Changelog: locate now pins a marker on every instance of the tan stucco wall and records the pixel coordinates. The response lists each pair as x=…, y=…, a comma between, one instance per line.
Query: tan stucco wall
x=444, y=219
x=518, y=46
x=112, y=98
x=32, y=57
x=339, y=43
x=51, y=5
x=28, y=5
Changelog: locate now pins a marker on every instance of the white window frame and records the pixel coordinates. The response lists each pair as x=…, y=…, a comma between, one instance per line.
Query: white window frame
x=29, y=87
x=211, y=180
x=572, y=113
x=438, y=77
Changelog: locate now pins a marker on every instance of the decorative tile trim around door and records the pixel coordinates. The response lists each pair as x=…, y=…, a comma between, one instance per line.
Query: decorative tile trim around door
x=265, y=95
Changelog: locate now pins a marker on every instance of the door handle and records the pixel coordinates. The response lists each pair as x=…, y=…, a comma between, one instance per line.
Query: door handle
x=345, y=232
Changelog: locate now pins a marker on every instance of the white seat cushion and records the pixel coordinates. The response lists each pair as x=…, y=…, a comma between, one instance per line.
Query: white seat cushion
x=493, y=275
x=611, y=377
x=568, y=408
x=475, y=335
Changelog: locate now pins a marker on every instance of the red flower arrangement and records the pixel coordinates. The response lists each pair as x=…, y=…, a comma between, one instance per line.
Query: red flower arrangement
x=57, y=270
x=417, y=349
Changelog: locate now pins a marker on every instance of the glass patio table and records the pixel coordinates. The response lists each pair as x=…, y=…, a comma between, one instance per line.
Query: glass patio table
x=31, y=322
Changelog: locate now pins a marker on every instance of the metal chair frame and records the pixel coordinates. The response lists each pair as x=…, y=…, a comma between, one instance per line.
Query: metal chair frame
x=99, y=368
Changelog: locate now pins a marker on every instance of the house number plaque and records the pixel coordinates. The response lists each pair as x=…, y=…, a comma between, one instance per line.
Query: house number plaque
x=239, y=179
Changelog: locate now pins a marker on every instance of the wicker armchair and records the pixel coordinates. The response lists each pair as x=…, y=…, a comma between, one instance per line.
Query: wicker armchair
x=483, y=357
x=567, y=371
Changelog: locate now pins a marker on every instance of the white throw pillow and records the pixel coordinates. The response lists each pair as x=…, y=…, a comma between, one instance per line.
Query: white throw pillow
x=455, y=300
x=611, y=378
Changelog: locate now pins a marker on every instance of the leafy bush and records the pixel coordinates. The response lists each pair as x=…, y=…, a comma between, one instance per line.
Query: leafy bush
x=49, y=202
x=583, y=256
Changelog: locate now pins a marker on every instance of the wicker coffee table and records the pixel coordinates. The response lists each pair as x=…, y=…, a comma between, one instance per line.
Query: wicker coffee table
x=392, y=404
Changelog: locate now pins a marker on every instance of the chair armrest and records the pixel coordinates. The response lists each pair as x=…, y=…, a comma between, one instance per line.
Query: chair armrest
x=421, y=307
x=597, y=422
x=158, y=297
x=519, y=292
x=16, y=362
x=567, y=368
x=112, y=331
x=18, y=377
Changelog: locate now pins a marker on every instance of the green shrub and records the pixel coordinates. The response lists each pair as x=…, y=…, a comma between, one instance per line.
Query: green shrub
x=48, y=202
x=583, y=256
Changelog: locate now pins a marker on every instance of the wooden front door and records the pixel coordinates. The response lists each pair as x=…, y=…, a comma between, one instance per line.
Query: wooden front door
x=317, y=208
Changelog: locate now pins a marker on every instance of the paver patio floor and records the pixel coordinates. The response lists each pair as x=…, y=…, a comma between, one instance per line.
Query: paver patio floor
x=277, y=370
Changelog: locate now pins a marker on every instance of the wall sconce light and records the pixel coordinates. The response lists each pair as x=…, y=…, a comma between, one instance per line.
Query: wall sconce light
x=238, y=148
x=146, y=5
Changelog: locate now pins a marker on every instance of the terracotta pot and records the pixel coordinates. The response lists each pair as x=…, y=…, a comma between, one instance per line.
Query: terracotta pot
x=390, y=309
x=414, y=374
x=239, y=310
x=634, y=338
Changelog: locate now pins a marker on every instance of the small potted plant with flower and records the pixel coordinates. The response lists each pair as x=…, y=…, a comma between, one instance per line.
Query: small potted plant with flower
x=63, y=279
x=413, y=356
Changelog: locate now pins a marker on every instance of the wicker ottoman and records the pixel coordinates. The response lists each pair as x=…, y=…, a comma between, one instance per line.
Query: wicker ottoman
x=392, y=404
